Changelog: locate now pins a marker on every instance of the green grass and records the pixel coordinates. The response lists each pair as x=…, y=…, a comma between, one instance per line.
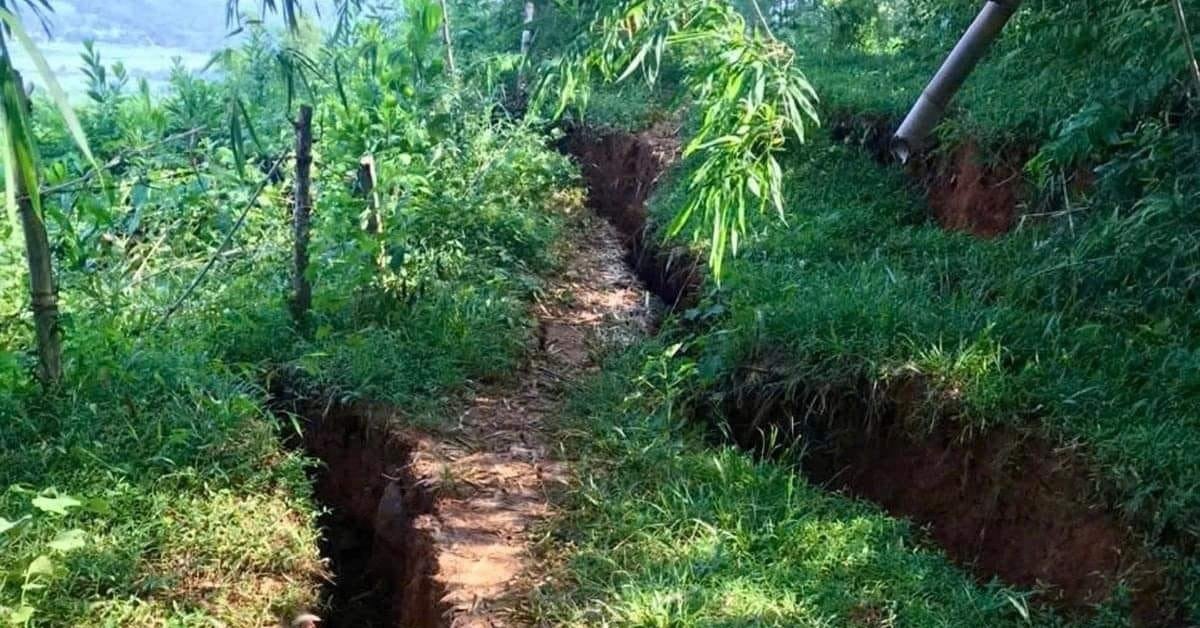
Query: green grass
x=192, y=512
x=1039, y=329
x=664, y=529
x=1086, y=330
x=629, y=106
x=1079, y=326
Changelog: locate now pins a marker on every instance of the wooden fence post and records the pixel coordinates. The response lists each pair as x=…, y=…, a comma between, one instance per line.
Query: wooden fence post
x=366, y=187
x=302, y=215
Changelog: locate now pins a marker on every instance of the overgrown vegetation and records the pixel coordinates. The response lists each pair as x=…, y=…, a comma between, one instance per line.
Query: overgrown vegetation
x=1078, y=324
x=150, y=483
x=152, y=486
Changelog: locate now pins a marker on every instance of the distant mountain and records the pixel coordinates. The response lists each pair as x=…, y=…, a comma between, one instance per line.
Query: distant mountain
x=147, y=36
x=195, y=25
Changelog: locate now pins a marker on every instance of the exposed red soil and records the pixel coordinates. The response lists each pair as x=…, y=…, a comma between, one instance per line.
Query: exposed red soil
x=622, y=170
x=1001, y=504
x=1011, y=507
x=434, y=528
x=974, y=197
x=965, y=192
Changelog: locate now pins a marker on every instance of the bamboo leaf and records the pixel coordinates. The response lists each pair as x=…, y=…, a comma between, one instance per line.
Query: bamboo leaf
x=6, y=525
x=56, y=91
x=635, y=64
x=56, y=504
x=40, y=566
x=10, y=177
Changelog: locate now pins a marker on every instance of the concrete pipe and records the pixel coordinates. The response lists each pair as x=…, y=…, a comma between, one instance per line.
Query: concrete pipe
x=931, y=106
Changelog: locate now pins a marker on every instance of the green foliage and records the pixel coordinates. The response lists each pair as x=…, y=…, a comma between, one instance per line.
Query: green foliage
x=35, y=577
x=666, y=530
x=1079, y=325
x=191, y=512
x=750, y=95
x=851, y=21
x=207, y=517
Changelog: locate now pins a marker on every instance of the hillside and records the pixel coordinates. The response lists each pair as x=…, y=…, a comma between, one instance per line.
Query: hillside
x=615, y=313
x=146, y=36
x=193, y=26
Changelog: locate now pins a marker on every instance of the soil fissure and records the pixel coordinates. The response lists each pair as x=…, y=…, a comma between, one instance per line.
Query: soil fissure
x=1002, y=504
x=379, y=564
x=434, y=527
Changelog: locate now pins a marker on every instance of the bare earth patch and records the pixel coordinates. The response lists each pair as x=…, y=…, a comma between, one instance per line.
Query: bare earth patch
x=493, y=474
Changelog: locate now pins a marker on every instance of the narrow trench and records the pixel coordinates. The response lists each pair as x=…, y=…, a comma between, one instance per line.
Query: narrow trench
x=379, y=564
x=1002, y=505
x=376, y=525
x=380, y=534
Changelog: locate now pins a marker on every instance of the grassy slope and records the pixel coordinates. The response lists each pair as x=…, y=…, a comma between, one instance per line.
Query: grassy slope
x=666, y=530
x=1084, y=326
x=1084, y=323
x=194, y=511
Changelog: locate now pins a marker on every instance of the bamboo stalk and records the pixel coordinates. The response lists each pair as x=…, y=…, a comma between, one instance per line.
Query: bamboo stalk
x=931, y=106
x=1188, y=46
x=763, y=18
x=42, y=290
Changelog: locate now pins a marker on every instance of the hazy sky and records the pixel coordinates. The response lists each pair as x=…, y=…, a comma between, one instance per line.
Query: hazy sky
x=145, y=35
x=197, y=25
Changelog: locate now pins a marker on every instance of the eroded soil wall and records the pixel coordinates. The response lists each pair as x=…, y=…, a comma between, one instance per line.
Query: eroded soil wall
x=380, y=566
x=621, y=171
x=1002, y=504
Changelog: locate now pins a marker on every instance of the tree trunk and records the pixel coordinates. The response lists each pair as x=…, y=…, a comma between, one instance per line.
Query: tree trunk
x=449, y=41
x=302, y=215
x=43, y=293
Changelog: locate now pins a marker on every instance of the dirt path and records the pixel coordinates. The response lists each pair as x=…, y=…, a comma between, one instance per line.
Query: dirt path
x=492, y=476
